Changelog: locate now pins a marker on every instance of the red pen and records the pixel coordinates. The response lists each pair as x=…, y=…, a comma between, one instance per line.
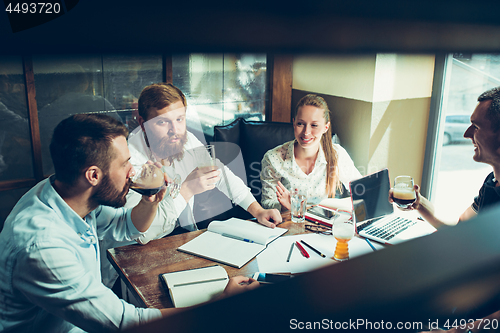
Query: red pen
x=302, y=250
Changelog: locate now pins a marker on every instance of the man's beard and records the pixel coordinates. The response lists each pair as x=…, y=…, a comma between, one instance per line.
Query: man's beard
x=163, y=149
x=107, y=195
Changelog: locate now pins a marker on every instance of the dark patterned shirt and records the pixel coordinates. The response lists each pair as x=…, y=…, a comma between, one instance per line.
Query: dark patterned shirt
x=489, y=194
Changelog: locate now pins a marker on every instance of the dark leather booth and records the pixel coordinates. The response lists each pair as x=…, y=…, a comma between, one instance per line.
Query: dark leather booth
x=248, y=140
x=254, y=138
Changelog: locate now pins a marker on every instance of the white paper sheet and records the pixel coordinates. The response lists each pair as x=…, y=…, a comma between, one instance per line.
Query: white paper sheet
x=273, y=259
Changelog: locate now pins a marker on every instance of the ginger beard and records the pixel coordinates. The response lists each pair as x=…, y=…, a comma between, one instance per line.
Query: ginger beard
x=168, y=147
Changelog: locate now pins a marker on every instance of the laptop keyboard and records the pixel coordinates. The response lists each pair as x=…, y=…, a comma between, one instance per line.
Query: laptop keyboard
x=390, y=229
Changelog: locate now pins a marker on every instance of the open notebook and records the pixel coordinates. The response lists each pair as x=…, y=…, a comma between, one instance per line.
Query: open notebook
x=233, y=242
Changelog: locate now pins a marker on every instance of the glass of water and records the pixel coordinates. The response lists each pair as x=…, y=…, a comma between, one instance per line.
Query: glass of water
x=298, y=203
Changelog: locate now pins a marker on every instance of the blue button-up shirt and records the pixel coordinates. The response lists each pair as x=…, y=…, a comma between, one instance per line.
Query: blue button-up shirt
x=50, y=277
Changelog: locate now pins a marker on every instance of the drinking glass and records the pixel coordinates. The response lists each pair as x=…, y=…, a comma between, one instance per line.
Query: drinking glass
x=205, y=157
x=403, y=192
x=173, y=181
x=298, y=202
x=149, y=180
x=343, y=231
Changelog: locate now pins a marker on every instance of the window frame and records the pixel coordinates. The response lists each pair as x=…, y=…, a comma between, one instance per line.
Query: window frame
x=433, y=144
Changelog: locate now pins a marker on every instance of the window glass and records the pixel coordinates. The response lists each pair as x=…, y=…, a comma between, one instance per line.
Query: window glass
x=15, y=139
x=110, y=84
x=66, y=85
x=221, y=87
x=459, y=177
x=124, y=78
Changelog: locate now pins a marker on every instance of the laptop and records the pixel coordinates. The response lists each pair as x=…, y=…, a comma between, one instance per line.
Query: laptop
x=375, y=216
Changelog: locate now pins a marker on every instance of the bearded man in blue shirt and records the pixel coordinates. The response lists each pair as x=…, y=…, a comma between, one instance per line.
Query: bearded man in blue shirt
x=50, y=279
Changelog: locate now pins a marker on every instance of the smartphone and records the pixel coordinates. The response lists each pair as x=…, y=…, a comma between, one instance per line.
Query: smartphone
x=270, y=278
x=322, y=212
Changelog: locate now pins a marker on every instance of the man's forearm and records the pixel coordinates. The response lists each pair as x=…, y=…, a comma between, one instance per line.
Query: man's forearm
x=426, y=209
x=255, y=208
x=186, y=193
x=143, y=214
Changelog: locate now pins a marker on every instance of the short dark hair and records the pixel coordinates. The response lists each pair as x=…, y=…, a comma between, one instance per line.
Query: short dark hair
x=159, y=96
x=493, y=113
x=83, y=140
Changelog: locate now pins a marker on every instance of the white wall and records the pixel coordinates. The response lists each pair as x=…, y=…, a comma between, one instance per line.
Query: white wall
x=387, y=95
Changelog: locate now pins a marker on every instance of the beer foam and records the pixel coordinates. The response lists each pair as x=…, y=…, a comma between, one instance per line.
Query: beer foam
x=404, y=193
x=343, y=231
x=150, y=176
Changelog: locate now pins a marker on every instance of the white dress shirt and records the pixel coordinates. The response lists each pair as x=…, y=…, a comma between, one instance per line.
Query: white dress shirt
x=165, y=221
x=279, y=164
x=170, y=209
x=50, y=279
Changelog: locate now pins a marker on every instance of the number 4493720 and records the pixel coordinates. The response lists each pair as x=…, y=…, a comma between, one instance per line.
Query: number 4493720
x=33, y=8
x=485, y=324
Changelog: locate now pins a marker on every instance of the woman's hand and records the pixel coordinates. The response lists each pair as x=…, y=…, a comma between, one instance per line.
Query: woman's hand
x=283, y=196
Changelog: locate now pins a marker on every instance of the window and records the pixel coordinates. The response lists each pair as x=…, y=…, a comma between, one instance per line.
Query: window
x=67, y=85
x=16, y=160
x=124, y=78
x=221, y=87
x=458, y=176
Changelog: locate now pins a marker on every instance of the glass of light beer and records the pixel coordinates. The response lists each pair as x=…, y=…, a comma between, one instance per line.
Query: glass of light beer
x=205, y=157
x=403, y=192
x=343, y=231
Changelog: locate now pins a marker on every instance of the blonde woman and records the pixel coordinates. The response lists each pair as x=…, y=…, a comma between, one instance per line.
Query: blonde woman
x=311, y=163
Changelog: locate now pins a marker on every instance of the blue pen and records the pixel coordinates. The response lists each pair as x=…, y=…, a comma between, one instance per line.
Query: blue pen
x=238, y=238
x=371, y=245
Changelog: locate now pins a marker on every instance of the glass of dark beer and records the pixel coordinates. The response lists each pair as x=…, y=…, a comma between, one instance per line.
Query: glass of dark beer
x=149, y=180
x=403, y=193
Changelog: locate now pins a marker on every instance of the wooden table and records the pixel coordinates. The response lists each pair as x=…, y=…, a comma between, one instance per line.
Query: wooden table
x=139, y=266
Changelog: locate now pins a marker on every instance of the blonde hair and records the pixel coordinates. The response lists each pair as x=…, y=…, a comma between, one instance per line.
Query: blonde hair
x=332, y=173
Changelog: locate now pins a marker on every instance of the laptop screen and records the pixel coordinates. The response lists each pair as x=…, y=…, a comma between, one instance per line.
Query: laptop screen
x=370, y=195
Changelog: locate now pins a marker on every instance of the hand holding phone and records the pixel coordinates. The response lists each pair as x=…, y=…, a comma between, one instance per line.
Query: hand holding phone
x=269, y=278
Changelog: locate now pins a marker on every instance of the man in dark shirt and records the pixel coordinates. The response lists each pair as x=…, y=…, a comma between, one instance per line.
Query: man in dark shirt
x=489, y=194
x=485, y=135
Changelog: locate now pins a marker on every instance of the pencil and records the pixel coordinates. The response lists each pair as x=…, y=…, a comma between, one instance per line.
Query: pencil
x=290, y=253
x=312, y=248
x=371, y=245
